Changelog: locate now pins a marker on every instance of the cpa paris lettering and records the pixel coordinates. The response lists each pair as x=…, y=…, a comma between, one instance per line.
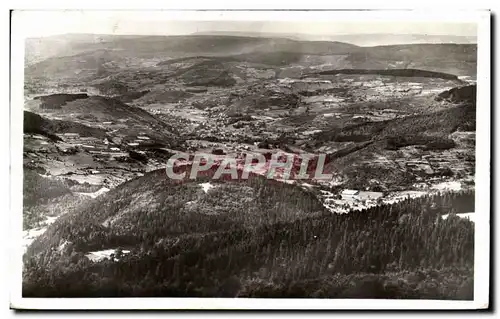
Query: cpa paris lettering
x=280, y=165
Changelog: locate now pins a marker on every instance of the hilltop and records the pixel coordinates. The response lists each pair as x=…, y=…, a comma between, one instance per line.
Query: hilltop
x=160, y=250
x=157, y=207
x=459, y=94
x=371, y=39
x=391, y=72
x=209, y=44
x=36, y=124
x=98, y=109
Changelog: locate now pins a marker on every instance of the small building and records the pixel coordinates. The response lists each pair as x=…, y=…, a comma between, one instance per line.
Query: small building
x=349, y=193
x=71, y=135
x=370, y=195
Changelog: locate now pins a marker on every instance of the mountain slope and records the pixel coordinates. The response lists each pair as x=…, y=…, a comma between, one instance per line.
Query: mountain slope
x=135, y=64
x=153, y=207
x=393, y=72
x=209, y=44
x=98, y=109
x=457, y=59
x=356, y=39
x=397, y=153
x=36, y=124
x=101, y=117
x=397, y=251
x=85, y=65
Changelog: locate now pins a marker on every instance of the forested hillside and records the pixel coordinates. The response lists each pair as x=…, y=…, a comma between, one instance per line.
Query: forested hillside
x=405, y=250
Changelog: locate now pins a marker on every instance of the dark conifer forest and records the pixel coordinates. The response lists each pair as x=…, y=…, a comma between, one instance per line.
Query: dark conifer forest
x=404, y=250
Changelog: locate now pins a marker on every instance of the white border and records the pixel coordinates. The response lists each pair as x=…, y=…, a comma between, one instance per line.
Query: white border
x=482, y=178
x=483, y=162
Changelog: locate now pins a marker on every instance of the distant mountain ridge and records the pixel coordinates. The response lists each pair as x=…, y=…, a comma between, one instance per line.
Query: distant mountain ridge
x=392, y=72
x=368, y=39
x=84, y=58
x=39, y=49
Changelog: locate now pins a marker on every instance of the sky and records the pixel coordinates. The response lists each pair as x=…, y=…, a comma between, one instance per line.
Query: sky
x=46, y=23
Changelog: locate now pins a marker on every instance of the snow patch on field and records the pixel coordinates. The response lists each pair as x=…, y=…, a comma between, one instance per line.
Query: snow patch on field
x=100, y=255
x=50, y=220
x=400, y=196
x=30, y=235
x=96, y=193
x=469, y=216
x=312, y=132
x=338, y=205
x=450, y=185
x=363, y=201
x=63, y=245
x=206, y=186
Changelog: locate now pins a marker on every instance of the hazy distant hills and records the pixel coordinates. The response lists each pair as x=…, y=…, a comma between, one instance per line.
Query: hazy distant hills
x=392, y=39
x=85, y=57
x=223, y=43
x=368, y=39
x=149, y=46
x=39, y=49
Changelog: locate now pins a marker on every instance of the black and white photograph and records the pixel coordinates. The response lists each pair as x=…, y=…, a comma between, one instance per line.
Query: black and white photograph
x=283, y=157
